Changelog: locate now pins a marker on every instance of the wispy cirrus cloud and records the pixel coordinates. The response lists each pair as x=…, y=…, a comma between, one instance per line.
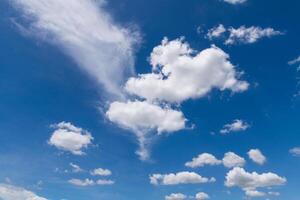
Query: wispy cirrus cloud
x=83, y=30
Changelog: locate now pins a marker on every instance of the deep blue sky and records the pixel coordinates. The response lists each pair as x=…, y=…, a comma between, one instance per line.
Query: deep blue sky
x=40, y=86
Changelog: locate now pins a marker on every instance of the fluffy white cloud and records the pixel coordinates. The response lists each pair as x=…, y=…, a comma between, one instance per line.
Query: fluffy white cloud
x=142, y=117
x=10, y=192
x=203, y=159
x=76, y=168
x=241, y=35
x=235, y=1
x=70, y=138
x=201, y=196
x=248, y=35
x=216, y=32
x=86, y=32
x=179, y=178
x=176, y=196
x=256, y=156
x=254, y=193
x=180, y=73
x=89, y=182
x=238, y=177
x=236, y=126
x=295, y=151
x=101, y=172
x=232, y=160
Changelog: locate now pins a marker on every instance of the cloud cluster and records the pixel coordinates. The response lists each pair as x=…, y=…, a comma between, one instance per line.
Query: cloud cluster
x=241, y=35
x=235, y=2
x=84, y=30
x=295, y=151
x=236, y=126
x=233, y=160
x=180, y=196
x=256, y=156
x=89, y=182
x=10, y=192
x=249, y=182
x=178, y=73
x=179, y=178
x=70, y=138
x=101, y=172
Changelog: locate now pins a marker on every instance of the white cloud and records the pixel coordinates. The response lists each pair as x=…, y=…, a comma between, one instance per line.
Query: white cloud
x=248, y=35
x=232, y=160
x=89, y=182
x=249, y=182
x=254, y=193
x=295, y=61
x=180, y=73
x=235, y=1
x=256, y=156
x=85, y=31
x=241, y=35
x=216, y=32
x=79, y=182
x=10, y=192
x=142, y=117
x=176, y=196
x=203, y=159
x=70, y=138
x=295, y=151
x=76, y=168
x=179, y=178
x=236, y=126
x=201, y=196
x=101, y=172
x=274, y=193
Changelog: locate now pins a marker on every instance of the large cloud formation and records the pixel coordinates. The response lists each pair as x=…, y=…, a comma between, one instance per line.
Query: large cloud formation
x=10, y=192
x=83, y=30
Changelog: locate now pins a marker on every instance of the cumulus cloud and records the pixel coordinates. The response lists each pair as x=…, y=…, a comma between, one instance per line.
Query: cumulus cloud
x=201, y=196
x=89, y=182
x=10, y=192
x=233, y=160
x=254, y=193
x=142, y=117
x=234, y=2
x=101, y=172
x=236, y=126
x=249, y=182
x=175, y=196
x=295, y=151
x=180, y=73
x=70, y=138
x=203, y=159
x=179, y=178
x=84, y=30
x=241, y=35
x=256, y=156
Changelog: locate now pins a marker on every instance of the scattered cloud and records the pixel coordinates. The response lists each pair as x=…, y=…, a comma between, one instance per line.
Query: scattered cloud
x=203, y=159
x=241, y=35
x=141, y=117
x=249, y=182
x=76, y=168
x=236, y=126
x=295, y=61
x=201, y=196
x=254, y=193
x=175, y=62
x=70, y=138
x=295, y=151
x=256, y=156
x=89, y=182
x=86, y=32
x=175, y=196
x=101, y=172
x=233, y=160
x=10, y=192
x=179, y=178
x=235, y=2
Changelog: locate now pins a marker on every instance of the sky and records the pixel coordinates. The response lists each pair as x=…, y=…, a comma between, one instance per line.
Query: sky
x=149, y=100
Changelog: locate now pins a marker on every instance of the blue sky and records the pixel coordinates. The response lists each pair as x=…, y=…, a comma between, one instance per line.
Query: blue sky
x=86, y=84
